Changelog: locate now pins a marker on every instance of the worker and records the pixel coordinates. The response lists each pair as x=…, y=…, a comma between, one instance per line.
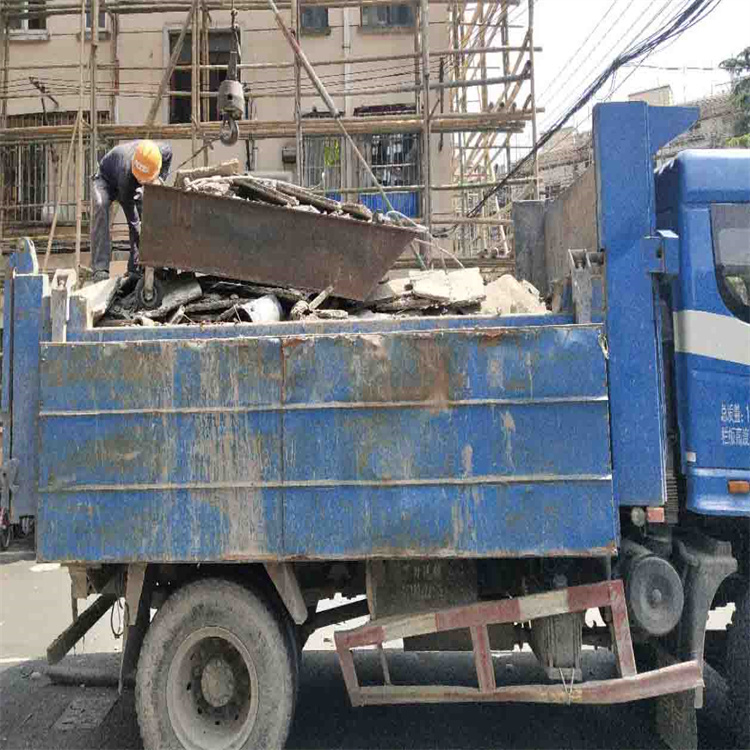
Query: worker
x=123, y=171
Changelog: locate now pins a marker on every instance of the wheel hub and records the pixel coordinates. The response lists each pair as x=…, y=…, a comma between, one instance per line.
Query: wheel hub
x=217, y=682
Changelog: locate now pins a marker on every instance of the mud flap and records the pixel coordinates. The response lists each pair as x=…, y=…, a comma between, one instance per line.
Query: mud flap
x=676, y=720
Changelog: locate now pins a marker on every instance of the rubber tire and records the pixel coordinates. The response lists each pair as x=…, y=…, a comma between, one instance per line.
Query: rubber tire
x=143, y=304
x=738, y=670
x=215, y=602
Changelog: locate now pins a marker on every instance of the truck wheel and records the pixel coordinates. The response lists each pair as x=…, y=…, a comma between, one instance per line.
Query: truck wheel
x=215, y=672
x=738, y=669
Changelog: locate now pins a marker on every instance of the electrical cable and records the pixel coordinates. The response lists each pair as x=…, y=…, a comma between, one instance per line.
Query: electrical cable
x=679, y=23
x=567, y=63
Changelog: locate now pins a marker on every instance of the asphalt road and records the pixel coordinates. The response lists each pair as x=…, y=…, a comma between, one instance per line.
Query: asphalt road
x=40, y=715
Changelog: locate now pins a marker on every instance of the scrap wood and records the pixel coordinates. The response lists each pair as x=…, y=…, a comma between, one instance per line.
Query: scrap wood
x=253, y=188
x=357, y=210
x=308, y=197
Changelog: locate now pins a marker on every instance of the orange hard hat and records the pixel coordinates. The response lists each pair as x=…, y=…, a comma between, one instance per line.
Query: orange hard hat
x=146, y=162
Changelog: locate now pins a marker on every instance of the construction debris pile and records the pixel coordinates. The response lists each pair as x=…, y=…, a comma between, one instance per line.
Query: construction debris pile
x=210, y=293
x=191, y=299
x=226, y=181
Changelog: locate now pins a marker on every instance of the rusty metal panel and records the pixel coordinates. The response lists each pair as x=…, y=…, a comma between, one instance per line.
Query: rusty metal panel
x=267, y=244
x=399, y=444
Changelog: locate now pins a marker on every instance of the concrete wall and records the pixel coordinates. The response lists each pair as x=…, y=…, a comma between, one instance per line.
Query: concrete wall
x=570, y=224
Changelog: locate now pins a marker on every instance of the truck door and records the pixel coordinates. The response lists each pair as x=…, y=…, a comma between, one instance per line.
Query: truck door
x=712, y=338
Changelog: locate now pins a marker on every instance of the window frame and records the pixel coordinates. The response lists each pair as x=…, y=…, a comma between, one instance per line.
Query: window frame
x=102, y=14
x=22, y=31
x=173, y=31
x=719, y=213
x=314, y=30
x=388, y=26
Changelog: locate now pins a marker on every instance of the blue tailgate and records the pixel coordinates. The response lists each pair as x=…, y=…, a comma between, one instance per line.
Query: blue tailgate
x=478, y=440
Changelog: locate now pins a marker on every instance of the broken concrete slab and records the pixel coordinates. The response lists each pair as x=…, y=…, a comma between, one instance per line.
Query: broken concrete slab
x=464, y=287
x=226, y=168
x=507, y=295
x=98, y=297
x=389, y=290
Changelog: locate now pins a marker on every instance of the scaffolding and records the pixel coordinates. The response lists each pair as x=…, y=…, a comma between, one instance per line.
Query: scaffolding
x=472, y=96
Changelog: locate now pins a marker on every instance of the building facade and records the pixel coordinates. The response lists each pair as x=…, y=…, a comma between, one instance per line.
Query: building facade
x=44, y=62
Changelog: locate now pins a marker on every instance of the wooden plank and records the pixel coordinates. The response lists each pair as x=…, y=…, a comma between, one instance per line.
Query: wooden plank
x=673, y=679
x=72, y=634
x=283, y=578
x=483, y=658
x=621, y=627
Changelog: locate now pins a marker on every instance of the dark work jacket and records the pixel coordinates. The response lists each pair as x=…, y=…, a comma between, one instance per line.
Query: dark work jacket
x=115, y=169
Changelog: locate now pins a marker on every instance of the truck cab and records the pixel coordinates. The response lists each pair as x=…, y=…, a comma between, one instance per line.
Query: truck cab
x=704, y=197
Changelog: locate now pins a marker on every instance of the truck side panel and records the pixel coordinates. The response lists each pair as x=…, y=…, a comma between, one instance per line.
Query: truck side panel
x=351, y=445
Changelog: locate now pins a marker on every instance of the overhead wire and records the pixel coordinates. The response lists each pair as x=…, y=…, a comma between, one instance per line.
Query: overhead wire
x=555, y=111
x=680, y=22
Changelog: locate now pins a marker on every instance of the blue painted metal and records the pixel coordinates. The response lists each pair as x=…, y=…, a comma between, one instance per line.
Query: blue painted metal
x=26, y=324
x=713, y=392
x=626, y=138
x=454, y=437
x=327, y=446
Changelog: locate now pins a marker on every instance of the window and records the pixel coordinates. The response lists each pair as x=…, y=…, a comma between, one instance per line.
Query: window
x=219, y=46
x=730, y=225
x=395, y=161
x=33, y=22
x=31, y=173
x=322, y=160
x=102, y=17
x=314, y=20
x=388, y=16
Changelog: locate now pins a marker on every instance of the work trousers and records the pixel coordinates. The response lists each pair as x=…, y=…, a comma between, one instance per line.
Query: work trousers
x=101, y=241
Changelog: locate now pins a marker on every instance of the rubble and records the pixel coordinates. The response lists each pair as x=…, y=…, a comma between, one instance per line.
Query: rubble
x=227, y=183
x=190, y=299
x=195, y=297
x=508, y=296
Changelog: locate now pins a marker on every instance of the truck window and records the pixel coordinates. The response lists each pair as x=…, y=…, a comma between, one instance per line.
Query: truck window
x=730, y=225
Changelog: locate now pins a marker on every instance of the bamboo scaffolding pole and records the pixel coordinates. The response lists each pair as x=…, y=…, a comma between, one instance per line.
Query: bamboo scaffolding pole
x=205, y=72
x=470, y=220
x=61, y=185
x=114, y=66
x=195, y=84
x=93, y=116
x=450, y=123
x=80, y=155
x=6, y=68
x=295, y=20
x=156, y=102
x=533, y=98
x=453, y=187
x=280, y=65
x=504, y=39
x=424, y=42
x=4, y=105
x=19, y=9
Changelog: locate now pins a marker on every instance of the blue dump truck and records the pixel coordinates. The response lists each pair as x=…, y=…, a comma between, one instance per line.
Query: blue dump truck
x=478, y=482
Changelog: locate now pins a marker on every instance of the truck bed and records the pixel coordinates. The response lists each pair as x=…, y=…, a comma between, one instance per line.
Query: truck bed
x=455, y=437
